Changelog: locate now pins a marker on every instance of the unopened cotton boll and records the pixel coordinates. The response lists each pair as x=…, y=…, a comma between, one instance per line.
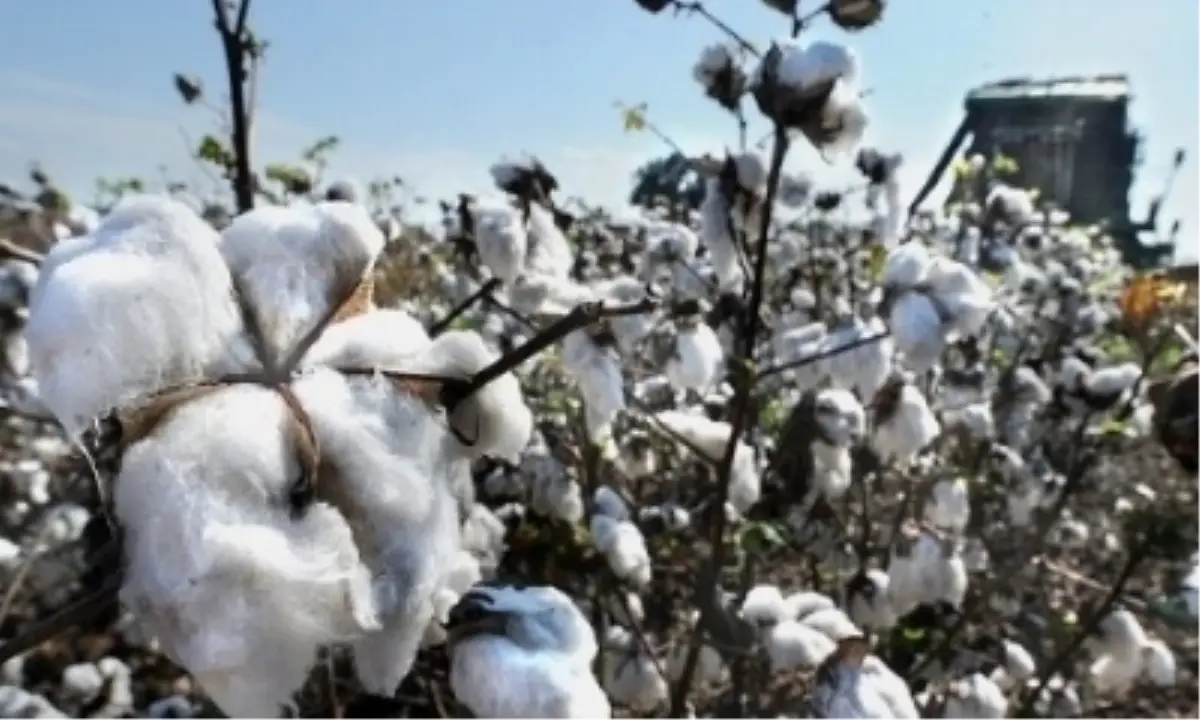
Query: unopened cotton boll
x=143, y=303
x=292, y=263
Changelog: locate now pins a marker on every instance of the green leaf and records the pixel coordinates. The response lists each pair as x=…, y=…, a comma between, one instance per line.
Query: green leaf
x=293, y=178
x=1112, y=426
x=214, y=151
x=912, y=634
x=757, y=537
x=319, y=150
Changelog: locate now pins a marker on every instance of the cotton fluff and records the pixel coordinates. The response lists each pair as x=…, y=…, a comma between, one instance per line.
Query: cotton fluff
x=840, y=419
x=143, y=303
x=925, y=569
x=596, y=371
x=235, y=589
x=628, y=330
x=291, y=261
x=866, y=368
x=794, y=346
x=1121, y=653
x=717, y=234
x=950, y=505
x=868, y=603
x=805, y=68
x=855, y=685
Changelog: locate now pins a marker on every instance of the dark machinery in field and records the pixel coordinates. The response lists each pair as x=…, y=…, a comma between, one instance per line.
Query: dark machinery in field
x=1072, y=140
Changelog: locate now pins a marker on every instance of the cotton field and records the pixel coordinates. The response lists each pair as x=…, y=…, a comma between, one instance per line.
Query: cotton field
x=747, y=459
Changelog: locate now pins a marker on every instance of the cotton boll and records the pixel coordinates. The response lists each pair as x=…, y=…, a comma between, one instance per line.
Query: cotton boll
x=18, y=703
x=717, y=239
x=906, y=266
x=764, y=606
x=1122, y=634
x=495, y=418
x=975, y=696
x=1112, y=382
x=698, y=358
x=805, y=602
x=833, y=623
x=632, y=679
x=549, y=252
x=1018, y=662
x=917, y=331
x=610, y=504
x=142, y=304
x=950, y=505
x=944, y=573
x=523, y=653
x=802, y=68
x=792, y=645
x=852, y=684
x=408, y=525
x=1159, y=664
x=1114, y=676
x=82, y=682
x=710, y=667
x=866, y=368
x=483, y=537
x=597, y=372
x=909, y=427
x=975, y=419
x=845, y=111
x=624, y=547
x=501, y=240
x=631, y=612
x=236, y=590
x=293, y=263
x=868, y=603
x=538, y=294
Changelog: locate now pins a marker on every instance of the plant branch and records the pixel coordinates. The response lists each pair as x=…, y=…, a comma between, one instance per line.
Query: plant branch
x=233, y=43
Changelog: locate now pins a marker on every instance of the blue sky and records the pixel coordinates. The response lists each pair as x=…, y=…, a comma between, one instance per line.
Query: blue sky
x=436, y=90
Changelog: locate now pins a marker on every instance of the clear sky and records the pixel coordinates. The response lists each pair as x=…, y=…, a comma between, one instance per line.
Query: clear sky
x=435, y=90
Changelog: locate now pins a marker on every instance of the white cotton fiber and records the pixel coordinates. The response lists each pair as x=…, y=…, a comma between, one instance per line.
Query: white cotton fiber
x=392, y=467
x=143, y=303
x=291, y=260
x=236, y=589
x=379, y=338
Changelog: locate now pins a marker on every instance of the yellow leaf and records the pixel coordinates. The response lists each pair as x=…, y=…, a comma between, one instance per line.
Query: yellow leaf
x=635, y=118
x=876, y=261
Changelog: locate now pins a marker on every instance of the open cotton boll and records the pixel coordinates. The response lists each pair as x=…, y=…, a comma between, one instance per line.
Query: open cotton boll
x=713, y=59
x=1113, y=381
x=917, y=331
x=16, y=702
x=805, y=67
x=906, y=266
x=291, y=263
x=394, y=467
x=845, y=111
x=853, y=684
x=1159, y=663
x=975, y=696
x=710, y=437
x=524, y=653
x=235, y=589
x=866, y=368
x=143, y=303
x=597, y=373
x=910, y=427
x=718, y=240
x=628, y=330
x=632, y=679
x=607, y=502
x=483, y=534
x=698, y=359
x=501, y=240
x=950, y=505
x=792, y=645
x=868, y=604
x=798, y=344
x=495, y=419
x=805, y=602
x=975, y=419
x=1019, y=665
x=624, y=547
x=549, y=252
x=710, y=666
x=764, y=606
x=833, y=623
